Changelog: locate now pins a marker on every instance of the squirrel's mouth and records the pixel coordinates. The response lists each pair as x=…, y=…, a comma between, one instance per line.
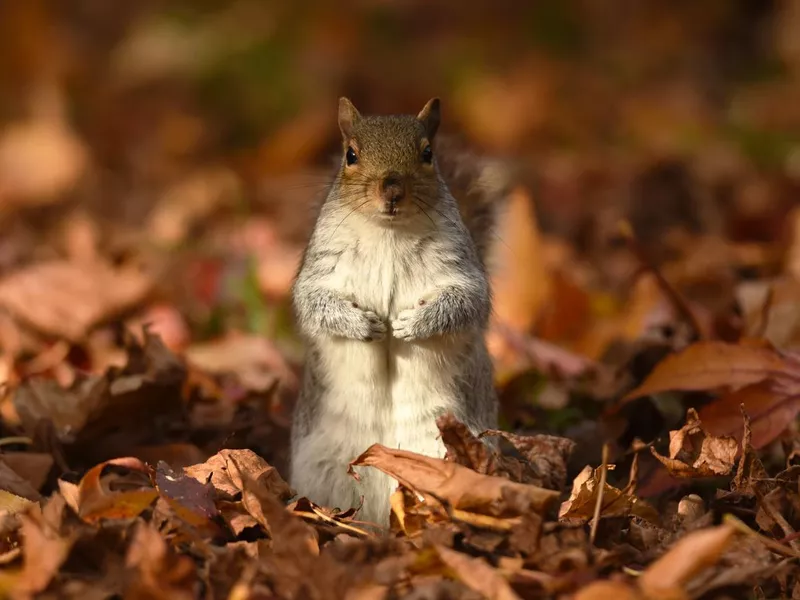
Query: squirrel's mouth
x=390, y=209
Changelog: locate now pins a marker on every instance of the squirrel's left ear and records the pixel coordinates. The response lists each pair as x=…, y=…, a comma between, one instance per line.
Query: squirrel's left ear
x=348, y=115
x=430, y=116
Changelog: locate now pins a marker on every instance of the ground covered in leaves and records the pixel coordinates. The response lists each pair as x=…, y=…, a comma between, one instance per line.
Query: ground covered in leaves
x=159, y=162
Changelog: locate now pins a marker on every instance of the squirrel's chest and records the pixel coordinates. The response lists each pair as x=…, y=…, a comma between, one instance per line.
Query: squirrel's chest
x=384, y=275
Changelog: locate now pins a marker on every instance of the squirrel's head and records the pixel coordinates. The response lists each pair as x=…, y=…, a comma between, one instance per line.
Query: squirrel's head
x=388, y=168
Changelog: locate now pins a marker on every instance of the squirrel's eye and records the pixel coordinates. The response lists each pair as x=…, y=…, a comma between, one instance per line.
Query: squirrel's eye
x=351, y=157
x=427, y=154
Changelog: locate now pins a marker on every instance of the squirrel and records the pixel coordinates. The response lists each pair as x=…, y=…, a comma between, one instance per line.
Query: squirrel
x=393, y=300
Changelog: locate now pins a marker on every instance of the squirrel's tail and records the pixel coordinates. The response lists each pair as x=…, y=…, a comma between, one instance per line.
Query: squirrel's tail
x=479, y=185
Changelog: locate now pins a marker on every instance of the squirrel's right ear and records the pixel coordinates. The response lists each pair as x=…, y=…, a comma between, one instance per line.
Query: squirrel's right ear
x=430, y=116
x=348, y=115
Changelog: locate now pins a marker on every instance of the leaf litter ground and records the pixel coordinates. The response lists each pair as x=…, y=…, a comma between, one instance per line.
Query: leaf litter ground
x=480, y=523
x=647, y=372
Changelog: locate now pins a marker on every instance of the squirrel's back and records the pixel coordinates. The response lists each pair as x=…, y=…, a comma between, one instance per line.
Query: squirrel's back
x=479, y=185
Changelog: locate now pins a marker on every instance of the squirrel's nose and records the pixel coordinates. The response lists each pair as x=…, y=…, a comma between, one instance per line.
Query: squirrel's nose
x=393, y=188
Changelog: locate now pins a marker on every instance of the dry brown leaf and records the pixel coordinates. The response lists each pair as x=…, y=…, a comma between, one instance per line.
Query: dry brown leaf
x=191, y=500
x=175, y=455
x=236, y=516
x=104, y=416
x=367, y=592
x=477, y=574
x=71, y=494
x=771, y=406
x=11, y=481
x=518, y=298
x=31, y=466
x=712, y=365
x=616, y=503
x=11, y=504
x=224, y=469
x=687, y=558
x=160, y=573
x=461, y=487
x=603, y=590
x=189, y=201
x=257, y=362
x=462, y=446
x=45, y=547
x=546, y=454
x=97, y=501
x=39, y=159
x=694, y=453
x=67, y=409
x=67, y=299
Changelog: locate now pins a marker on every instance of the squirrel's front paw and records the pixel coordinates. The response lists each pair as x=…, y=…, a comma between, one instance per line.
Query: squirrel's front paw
x=372, y=329
x=404, y=327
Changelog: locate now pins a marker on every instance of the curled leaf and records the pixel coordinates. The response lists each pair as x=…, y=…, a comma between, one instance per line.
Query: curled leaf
x=695, y=453
x=461, y=487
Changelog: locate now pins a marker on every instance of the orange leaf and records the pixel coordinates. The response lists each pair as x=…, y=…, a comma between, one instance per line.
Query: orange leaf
x=694, y=453
x=462, y=487
x=96, y=501
x=711, y=365
x=771, y=409
x=687, y=558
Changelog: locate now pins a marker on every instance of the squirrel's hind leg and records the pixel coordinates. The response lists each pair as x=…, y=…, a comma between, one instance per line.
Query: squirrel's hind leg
x=323, y=479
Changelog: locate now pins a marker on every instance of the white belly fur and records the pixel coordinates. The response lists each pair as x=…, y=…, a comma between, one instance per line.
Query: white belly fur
x=387, y=392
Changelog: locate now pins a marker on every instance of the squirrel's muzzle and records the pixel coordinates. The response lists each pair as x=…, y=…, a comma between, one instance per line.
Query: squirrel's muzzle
x=393, y=190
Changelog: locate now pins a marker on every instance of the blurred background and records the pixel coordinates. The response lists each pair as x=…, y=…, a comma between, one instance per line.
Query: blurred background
x=159, y=161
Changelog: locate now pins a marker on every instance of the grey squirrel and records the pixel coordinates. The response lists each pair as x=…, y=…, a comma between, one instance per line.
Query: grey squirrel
x=393, y=300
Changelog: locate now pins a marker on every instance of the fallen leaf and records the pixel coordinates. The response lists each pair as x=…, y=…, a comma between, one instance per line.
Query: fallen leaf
x=462, y=446
x=547, y=455
x=236, y=516
x=96, y=501
x=160, y=572
x=100, y=417
x=12, y=504
x=687, y=558
x=189, y=201
x=694, y=453
x=67, y=409
x=771, y=405
x=45, y=548
x=711, y=365
x=67, y=299
x=476, y=574
x=191, y=500
x=176, y=455
x=461, y=487
x=615, y=503
x=11, y=481
x=32, y=466
x=39, y=159
x=256, y=361
x=228, y=482
x=602, y=590
x=518, y=299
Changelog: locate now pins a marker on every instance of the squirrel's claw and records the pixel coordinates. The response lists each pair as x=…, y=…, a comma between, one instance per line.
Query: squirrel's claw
x=376, y=327
x=403, y=326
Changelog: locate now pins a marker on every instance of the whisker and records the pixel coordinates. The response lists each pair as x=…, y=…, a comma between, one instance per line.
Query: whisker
x=453, y=221
x=346, y=217
x=424, y=212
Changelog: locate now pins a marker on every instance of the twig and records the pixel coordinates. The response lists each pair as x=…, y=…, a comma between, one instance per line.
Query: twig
x=16, y=439
x=766, y=505
x=773, y=545
x=599, y=504
x=764, y=313
x=678, y=301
